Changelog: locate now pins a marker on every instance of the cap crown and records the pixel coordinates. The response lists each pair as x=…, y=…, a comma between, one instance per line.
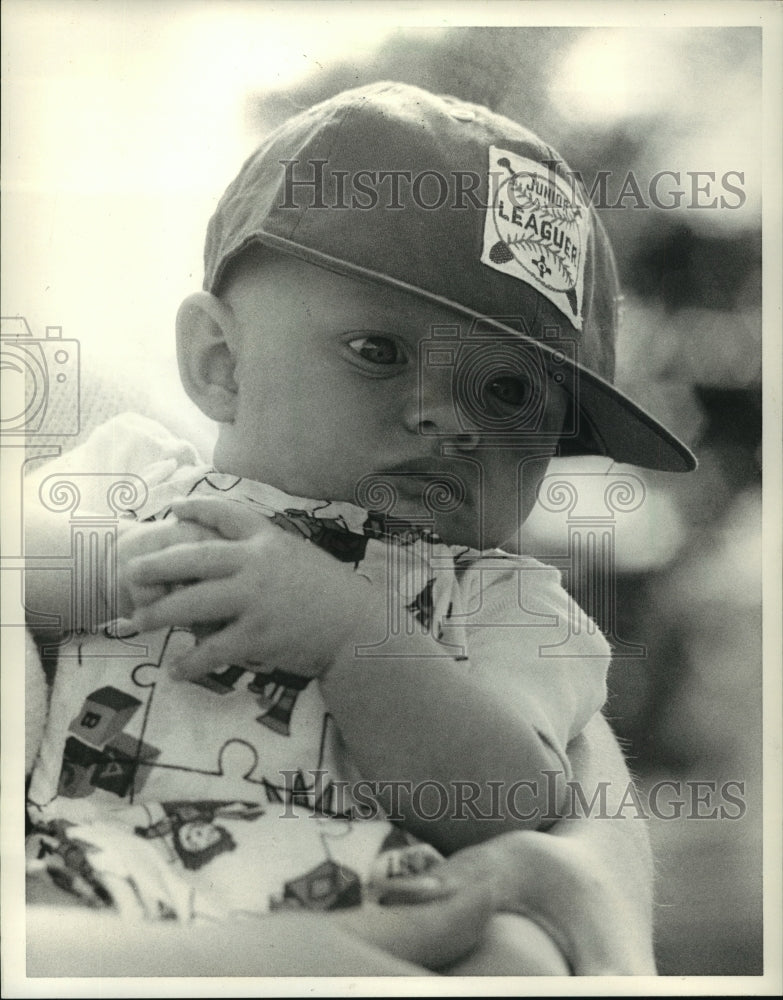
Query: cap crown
x=455, y=204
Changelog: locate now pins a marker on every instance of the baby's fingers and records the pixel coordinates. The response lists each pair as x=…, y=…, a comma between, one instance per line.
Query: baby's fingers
x=229, y=518
x=154, y=536
x=142, y=595
x=217, y=650
x=201, y=602
x=182, y=563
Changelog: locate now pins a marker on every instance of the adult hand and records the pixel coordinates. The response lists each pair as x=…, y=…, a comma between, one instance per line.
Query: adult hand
x=588, y=880
x=397, y=939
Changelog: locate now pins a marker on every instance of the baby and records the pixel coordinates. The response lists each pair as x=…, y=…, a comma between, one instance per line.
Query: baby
x=408, y=310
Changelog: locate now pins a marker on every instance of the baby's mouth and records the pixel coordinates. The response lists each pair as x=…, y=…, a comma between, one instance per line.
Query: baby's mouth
x=424, y=491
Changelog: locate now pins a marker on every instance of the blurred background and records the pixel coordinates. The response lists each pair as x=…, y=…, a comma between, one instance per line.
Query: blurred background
x=122, y=124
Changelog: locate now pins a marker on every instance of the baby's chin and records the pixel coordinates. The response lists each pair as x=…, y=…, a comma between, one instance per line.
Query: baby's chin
x=472, y=537
x=458, y=528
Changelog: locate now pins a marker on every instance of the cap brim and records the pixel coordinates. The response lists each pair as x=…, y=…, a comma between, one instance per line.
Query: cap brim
x=609, y=422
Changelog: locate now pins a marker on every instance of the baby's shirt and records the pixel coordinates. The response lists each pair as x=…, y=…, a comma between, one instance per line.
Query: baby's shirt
x=209, y=761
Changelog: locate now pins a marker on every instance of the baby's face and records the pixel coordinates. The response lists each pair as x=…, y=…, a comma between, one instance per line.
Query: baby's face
x=340, y=397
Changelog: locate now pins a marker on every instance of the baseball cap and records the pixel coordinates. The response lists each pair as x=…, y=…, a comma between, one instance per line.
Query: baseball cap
x=460, y=206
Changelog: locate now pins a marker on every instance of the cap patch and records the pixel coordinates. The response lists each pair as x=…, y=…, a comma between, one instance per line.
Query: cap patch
x=536, y=229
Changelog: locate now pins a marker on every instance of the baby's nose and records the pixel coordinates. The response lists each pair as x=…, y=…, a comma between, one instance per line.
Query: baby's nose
x=434, y=413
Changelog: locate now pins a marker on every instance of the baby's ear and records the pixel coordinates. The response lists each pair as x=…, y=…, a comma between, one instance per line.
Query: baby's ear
x=206, y=344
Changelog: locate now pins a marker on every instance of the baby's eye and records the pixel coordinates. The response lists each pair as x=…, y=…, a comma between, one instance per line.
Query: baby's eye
x=378, y=350
x=509, y=390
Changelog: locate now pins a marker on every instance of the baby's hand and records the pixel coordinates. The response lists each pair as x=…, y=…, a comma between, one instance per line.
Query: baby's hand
x=279, y=601
x=144, y=539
